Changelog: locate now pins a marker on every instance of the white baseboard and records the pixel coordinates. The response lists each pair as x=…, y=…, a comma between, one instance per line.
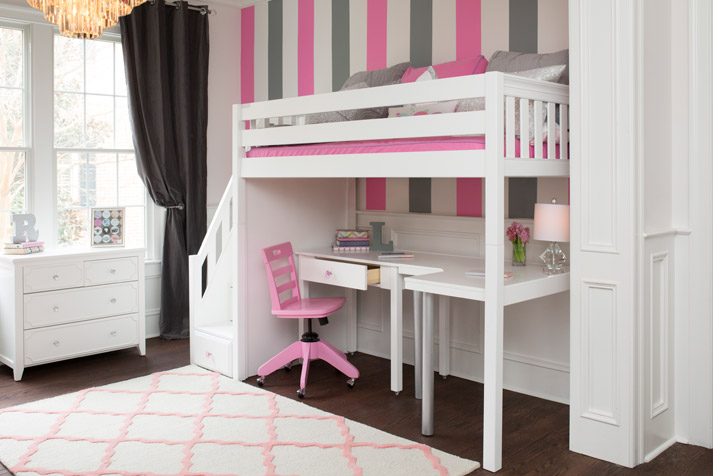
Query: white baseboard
x=152, y=317
x=660, y=449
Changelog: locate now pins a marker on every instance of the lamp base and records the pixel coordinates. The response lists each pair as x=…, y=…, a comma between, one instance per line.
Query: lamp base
x=554, y=259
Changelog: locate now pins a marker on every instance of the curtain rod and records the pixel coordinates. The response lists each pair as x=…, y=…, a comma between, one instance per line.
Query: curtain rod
x=203, y=10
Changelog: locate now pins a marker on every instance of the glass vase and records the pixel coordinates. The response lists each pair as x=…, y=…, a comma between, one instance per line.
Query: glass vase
x=518, y=253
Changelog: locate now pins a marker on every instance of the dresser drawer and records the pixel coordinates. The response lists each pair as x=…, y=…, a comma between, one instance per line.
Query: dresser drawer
x=212, y=353
x=336, y=273
x=74, y=340
x=105, y=271
x=58, y=276
x=58, y=307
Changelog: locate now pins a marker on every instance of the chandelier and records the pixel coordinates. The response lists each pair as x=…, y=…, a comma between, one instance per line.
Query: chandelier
x=84, y=18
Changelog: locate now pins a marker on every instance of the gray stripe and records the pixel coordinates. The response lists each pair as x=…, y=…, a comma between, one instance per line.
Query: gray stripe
x=340, y=43
x=523, y=26
x=522, y=196
x=274, y=49
x=421, y=33
x=419, y=195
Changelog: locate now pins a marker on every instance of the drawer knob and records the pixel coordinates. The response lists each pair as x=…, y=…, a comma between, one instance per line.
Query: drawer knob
x=56, y=277
x=112, y=271
x=113, y=300
x=328, y=274
x=208, y=355
x=113, y=333
x=56, y=343
x=55, y=309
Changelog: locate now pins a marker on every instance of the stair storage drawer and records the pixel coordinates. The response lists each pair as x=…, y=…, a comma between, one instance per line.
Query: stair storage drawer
x=59, y=307
x=212, y=353
x=82, y=338
x=59, y=276
x=105, y=271
x=336, y=273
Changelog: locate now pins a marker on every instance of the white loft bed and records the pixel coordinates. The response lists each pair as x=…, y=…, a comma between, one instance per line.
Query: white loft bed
x=224, y=336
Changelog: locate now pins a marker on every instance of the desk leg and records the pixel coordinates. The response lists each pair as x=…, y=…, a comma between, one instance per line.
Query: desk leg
x=493, y=387
x=397, y=287
x=444, y=336
x=417, y=341
x=351, y=308
x=427, y=406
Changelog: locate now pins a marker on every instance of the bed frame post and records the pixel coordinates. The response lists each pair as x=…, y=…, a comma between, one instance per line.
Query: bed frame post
x=494, y=271
x=239, y=304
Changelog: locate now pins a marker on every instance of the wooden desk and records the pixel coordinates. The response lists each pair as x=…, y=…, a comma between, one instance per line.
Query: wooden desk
x=349, y=270
x=528, y=282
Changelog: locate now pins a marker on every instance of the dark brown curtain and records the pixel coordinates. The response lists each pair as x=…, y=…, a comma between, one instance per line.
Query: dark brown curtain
x=166, y=62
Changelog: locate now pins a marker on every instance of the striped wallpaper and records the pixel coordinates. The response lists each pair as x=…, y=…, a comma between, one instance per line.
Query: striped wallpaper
x=301, y=47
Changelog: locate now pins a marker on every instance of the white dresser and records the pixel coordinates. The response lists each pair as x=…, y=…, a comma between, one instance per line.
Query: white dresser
x=66, y=303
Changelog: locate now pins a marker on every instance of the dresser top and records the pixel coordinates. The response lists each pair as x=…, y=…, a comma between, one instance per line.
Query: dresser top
x=77, y=252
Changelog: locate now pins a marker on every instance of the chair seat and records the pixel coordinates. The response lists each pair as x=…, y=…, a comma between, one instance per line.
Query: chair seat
x=311, y=308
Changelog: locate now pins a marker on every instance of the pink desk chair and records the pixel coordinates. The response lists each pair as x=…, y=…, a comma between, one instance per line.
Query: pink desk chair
x=283, y=281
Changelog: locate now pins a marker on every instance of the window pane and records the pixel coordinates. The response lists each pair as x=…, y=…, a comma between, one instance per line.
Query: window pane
x=11, y=120
x=100, y=121
x=134, y=226
x=11, y=65
x=71, y=177
x=5, y=226
x=124, y=139
x=68, y=64
x=73, y=227
x=131, y=188
x=120, y=75
x=101, y=180
x=100, y=67
x=68, y=120
x=12, y=180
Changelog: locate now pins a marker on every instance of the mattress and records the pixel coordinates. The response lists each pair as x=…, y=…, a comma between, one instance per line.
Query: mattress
x=419, y=144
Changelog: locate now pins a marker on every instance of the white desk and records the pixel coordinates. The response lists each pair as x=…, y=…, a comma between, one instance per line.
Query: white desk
x=350, y=271
x=527, y=283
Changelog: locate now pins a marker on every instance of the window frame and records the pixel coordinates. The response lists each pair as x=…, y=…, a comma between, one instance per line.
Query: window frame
x=40, y=155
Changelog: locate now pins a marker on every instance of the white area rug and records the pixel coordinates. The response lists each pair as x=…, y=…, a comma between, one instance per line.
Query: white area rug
x=189, y=421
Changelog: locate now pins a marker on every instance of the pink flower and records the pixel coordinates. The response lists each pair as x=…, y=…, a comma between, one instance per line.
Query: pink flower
x=517, y=231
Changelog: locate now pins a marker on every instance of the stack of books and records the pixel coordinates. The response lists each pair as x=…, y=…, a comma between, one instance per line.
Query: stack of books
x=26, y=248
x=352, y=240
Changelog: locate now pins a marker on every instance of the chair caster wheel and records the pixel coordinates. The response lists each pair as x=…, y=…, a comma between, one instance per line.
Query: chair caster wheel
x=261, y=381
x=444, y=377
x=288, y=367
x=397, y=393
x=351, y=382
x=301, y=393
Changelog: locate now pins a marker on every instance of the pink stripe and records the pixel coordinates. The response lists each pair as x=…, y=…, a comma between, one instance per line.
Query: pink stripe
x=468, y=43
x=376, y=194
x=376, y=34
x=469, y=197
x=247, y=55
x=305, y=47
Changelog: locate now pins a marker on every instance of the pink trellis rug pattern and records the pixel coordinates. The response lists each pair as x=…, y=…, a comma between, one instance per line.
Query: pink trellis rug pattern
x=191, y=422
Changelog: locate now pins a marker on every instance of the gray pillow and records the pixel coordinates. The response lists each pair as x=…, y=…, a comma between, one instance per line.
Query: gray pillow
x=378, y=77
x=335, y=116
x=375, y=112
x=511, y=61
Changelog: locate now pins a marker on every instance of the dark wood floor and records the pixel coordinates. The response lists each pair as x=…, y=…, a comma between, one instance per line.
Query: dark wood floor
x=535, y=431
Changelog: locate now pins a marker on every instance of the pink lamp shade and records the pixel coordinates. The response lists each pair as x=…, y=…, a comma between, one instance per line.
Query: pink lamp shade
x=551, y=222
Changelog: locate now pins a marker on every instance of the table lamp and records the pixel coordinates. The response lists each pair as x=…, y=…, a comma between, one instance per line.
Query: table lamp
x=552, y=224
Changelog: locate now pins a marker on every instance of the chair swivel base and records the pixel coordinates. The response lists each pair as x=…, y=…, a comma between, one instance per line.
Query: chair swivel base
x=309, y=350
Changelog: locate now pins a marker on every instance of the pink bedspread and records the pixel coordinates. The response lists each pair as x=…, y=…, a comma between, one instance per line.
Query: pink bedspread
x=421, y=144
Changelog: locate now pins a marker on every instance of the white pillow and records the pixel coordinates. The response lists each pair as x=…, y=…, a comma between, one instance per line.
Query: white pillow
x=548, y=73
x=428, y=75
x=423, y=109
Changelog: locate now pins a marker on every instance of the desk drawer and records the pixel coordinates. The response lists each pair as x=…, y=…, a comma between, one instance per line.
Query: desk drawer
x=83, y=338
x=58, y=276
x=105, y=271
x=59, y=307
x=336, y=273
x=212, y=353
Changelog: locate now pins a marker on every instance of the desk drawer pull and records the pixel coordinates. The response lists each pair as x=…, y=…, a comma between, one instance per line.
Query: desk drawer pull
x=113, y=300
x=328, y=274
x=56, y=343
x=55, y=309
x=56, y=277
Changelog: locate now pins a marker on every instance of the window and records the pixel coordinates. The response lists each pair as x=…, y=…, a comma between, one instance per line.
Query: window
x=93, y=147
x=13, y=127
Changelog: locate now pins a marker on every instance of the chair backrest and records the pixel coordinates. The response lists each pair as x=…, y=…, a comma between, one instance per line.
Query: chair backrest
x=285, y=274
